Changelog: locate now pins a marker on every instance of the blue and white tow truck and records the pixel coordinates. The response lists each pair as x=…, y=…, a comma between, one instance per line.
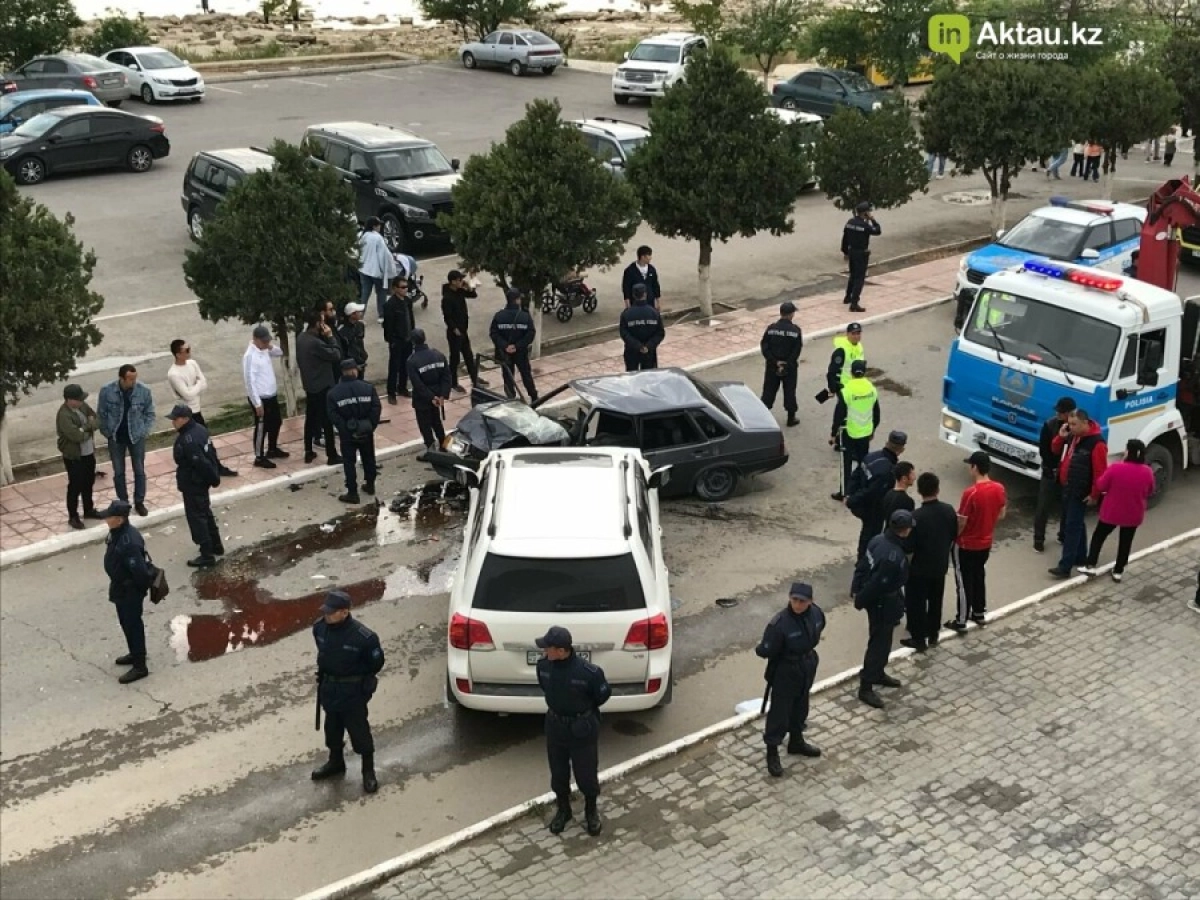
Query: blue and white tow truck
x=1124, y=350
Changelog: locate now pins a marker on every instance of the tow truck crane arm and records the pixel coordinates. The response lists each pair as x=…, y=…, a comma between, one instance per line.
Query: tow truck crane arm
x=1174, y=207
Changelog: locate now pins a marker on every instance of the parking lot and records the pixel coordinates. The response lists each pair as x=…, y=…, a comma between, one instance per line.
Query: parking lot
x=136, y=225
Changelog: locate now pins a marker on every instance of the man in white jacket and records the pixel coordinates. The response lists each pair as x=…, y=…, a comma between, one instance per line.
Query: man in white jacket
x=187, y=382
x=262, y=391
x=376, y=265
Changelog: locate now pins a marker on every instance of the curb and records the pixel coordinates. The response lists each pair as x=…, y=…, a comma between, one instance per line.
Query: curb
x=391, y=868
x=299, y=71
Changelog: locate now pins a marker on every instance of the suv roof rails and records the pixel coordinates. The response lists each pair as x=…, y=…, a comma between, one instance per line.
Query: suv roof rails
x=495, y=512
x=619, y=122
x=628, y=527
x=261, y=150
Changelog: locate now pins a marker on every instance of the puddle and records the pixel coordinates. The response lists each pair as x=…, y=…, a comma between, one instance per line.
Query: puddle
x=422, y=515
x=883, y=383
x=630, y=727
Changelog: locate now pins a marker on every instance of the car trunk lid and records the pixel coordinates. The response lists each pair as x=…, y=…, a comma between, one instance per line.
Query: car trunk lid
x=748, y=408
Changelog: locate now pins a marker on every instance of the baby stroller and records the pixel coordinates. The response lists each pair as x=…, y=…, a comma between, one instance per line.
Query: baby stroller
x=568, y=295
x=408, y=268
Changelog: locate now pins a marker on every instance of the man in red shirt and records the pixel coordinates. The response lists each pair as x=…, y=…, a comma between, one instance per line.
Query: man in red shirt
x=1082, y=464
x=983, y=504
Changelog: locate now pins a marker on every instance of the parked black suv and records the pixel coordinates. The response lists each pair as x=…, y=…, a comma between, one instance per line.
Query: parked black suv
x=396, y=175
x=211, y=175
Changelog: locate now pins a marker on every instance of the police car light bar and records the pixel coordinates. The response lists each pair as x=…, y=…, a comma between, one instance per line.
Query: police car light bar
x=1076, y=276
x=1100, y=209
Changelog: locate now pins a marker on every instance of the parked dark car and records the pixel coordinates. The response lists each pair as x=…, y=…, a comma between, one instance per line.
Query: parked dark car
x=211, y=175
x=822, y=91
x=396, y=175
x=23, y=106
x=74, y=138
x=712, y=434
x=76, y=71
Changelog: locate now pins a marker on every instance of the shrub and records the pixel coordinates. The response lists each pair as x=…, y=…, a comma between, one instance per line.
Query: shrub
x=116, y=30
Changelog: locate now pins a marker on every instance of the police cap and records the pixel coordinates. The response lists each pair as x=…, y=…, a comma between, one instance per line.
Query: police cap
x=179, y=411
x=787, y=307
x=348, y=364
x=854, y=328
x=864, y=207
x=335, y=600
x=898, y=439
x=116, y=508
x=858, y=367
x=901, y=518
x=556, y=636
x=801, y=590
x=512, y=295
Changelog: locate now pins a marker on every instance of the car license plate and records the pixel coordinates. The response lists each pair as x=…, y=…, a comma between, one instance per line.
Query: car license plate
x=532, y=656
x=1006, y=448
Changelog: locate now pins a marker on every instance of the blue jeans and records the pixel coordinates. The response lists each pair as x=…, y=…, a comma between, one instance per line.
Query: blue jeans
x=1075, y=548
x=137, y=455
x=365, y=283
x=931, y=159
x=1057, y=163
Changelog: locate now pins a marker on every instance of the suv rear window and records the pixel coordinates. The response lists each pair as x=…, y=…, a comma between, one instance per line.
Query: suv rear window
x=593, y=584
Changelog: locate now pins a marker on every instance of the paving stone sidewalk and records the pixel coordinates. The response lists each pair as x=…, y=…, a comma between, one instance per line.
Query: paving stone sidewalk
x=34, y=511
x=1052, y=754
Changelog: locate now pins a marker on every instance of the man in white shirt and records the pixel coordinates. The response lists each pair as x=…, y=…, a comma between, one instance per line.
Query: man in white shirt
x=376, y=265
x=187, y=382
x=262, y=391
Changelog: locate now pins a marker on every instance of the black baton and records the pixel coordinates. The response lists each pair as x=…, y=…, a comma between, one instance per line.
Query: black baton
x=317, y=722
x=766, y=698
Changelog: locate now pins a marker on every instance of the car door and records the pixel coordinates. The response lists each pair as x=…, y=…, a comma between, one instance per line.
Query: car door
x=112, y=137
x=808, y=93
x=1127, y=236
x=56, y=73
x=1099, y=239
x=69, y=145
x=24, y=113
x=833, y=95
x=486, y=49
x=343, y=158
x=674, y=440
x=133, y=73
x=30, y=75
x=505, y=51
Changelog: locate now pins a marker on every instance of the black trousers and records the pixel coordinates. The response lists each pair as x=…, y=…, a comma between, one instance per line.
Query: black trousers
x=266, y=426
x=397, y=373
x=854, y=451
x=81, y=475
x=1091, y=168
x=460, y=349
x=857, y=260
x=881, y=622
x=197, y=509
x=429, y=423
x=129, y=615
x=351, y=450
x=773, y=381
x=788, y=713
x=872, y=525
x=316, y=420
x=636, y=361
x=520, y=362
x=352, y=718
x=970, y=581
x=1076, y=164
x=923, y=597
x=1049, y=496
x=1124, y=544
x=566, y=754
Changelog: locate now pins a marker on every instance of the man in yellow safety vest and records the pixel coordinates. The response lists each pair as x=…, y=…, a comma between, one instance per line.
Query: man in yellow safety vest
x=857, y=417
x=847, y=348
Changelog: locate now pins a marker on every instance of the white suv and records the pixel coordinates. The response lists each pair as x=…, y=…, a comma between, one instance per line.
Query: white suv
x=560, y=536
x=612, y=141
x=654, y=65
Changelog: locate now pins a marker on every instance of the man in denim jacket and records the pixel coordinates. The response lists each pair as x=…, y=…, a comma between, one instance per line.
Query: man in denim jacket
x=126, y=413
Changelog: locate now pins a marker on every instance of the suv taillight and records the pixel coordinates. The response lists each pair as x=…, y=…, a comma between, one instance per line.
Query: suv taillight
x=648, y=634
x=469, y=634
x=158, y=127
x=89, y=82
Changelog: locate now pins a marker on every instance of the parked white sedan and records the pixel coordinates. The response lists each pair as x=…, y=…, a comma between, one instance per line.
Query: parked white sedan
x=516, y=50
x=156, y=74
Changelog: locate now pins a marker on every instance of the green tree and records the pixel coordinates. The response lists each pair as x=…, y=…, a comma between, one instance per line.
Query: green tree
x=278, y=244
x=897, y=29
x=1119, y=23
x=840, y=38
x=475, y=19
x=706, y=17
x=46, y=304
x=116, y=30
x=717, y=164
x=30, y=28
x=768, y=29
x=1180, y=61
x=1124, y=104
x=539, y=205
x=877, y=158
x=999, y=114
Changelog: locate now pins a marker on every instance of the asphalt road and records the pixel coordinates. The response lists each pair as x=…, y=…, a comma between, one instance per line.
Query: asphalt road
x=136, y=224
x=194, y=783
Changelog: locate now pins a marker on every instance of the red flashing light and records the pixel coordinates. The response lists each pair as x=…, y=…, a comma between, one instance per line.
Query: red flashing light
x=470, y=634
x=648, y=634
x=1095, y=280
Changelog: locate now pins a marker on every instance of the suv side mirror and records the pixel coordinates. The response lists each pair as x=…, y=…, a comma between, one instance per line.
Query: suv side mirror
x=660, y=478
x=54, y=139
x=455, y=164
x=617, y=163
x=135, y=67
x=625, y=56
x=1148, y=378
x=1090, y=253
x=365, y=174
x=999, y=232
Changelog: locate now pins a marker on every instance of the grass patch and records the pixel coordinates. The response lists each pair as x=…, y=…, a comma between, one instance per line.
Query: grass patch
x=613, y=51
x=270, y=50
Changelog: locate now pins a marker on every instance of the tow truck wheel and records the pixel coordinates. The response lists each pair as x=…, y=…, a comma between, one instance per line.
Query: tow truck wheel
x=1162, y=464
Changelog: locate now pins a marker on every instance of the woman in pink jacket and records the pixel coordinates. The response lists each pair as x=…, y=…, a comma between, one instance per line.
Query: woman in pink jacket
x=1126, y=487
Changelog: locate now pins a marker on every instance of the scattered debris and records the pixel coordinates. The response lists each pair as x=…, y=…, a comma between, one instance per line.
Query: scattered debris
x=295, y=487
x=328, y=528
x=727, y=602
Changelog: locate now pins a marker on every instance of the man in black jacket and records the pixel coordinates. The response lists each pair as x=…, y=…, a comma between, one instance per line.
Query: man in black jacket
x=353, y=336
x=318, y=356
x=856, y=243
x=196, y=471
x=129, y=579
x=878, y=588
x=642, y=331
x=867, y=501
x=641, y=272
x=430, y=376
x=1049, y=490
x=781, y=345
x=455, y=293
x=512, y=334
x=354, y=409
x=398, y=323
x=935, y=526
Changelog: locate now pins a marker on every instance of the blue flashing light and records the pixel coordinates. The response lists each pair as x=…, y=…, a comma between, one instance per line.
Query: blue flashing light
x=1043, y=268
x=1060, y=200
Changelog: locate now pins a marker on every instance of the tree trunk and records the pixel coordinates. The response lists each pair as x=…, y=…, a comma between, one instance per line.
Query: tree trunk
x=6, y=470
x=289, y=376
x=704, y=271
x=535, y=310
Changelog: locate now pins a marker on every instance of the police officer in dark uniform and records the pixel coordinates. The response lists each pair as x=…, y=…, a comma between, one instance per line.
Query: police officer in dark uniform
x=348, y=659
x=431, y=380
x=642, y=331
x=856, y=243
x=129, y=579
x=197, y=469
x=789, y=645
x=781, y=345
x=354, y=410
x=866, y=501
x=575, y=690
x=512, y=334
x=878, y=588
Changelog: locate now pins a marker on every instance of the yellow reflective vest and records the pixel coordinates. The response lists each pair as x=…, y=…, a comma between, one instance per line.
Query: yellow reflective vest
x=851, y=351
x=860, y=398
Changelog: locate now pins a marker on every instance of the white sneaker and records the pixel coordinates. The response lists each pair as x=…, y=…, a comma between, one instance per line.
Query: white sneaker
x=1193, y=605
x=1116, y=576
x=1086, y=570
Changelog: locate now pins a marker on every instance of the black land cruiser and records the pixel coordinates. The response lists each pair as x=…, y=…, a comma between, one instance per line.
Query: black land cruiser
x=396, y=175
x=211, y=175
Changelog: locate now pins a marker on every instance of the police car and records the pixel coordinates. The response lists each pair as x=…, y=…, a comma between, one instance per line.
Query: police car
x=1086, y=232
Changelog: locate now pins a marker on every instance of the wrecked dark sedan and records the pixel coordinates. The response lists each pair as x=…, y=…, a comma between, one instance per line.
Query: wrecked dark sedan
x=711, y=434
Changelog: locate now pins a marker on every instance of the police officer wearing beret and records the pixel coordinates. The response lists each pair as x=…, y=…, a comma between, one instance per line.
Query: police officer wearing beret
x=789, y=645
x=512, y=334
x=575, y=690
x=642, y=331
x=431, y=380
x=197, y=470
x=348, y=659
x=878, y=588
x=129, y=579
x=354, y=409
x=856, y=243
x=781, y=345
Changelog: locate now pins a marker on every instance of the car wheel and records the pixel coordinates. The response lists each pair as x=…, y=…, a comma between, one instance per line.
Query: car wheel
x=468, y=60
x=621, y=99
x=393, y=232
x=549, y=70
x=564, y=312
x=1162, y=464
x=31, y=170
x=115, y=104
x=147, y=95
x=140, y=158
x=195, y=223
x=516, y=68
x=717, y=483
x=788, y=103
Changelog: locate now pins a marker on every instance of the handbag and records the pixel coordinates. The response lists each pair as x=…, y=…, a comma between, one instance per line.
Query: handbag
x=159, y=588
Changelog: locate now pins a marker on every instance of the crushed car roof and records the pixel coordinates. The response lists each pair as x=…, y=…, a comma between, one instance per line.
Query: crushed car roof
x=640, y=393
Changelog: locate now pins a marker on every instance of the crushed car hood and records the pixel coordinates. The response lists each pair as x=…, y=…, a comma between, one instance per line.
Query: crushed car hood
x=493, y=426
